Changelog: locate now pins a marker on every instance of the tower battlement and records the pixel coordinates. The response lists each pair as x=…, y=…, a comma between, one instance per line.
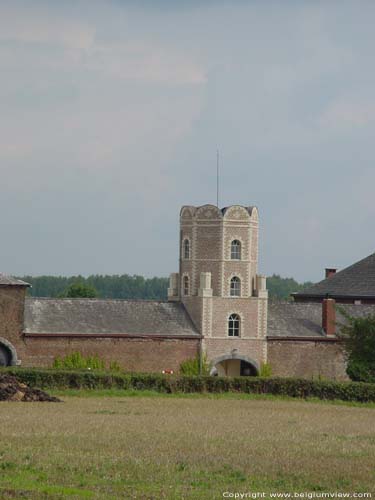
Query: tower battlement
x=223, y=242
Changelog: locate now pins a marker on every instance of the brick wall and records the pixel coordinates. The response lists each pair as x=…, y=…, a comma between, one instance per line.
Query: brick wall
x=254, y=349
x=247, y=308
x=307, y=358
x=139, y=355
x=11, y=314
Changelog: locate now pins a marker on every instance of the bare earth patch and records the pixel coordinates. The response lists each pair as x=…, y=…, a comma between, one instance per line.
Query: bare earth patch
x=183, y=448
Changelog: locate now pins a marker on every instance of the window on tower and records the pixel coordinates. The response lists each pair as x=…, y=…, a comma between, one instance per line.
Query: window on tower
x=235, y=250
x=186, y=285
x=235, y=287
x=234, y=322
x=186, y=249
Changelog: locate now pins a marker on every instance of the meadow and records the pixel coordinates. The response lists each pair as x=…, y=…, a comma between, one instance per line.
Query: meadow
x=176, y=447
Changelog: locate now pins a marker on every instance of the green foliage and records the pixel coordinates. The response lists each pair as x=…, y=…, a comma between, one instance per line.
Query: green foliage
x=360, y=371
x=114, y=367
x=265, y=370
x=281, y=288
x=359, y=340
x=80, y=290
x=192, y=366
x=137, y=287
x=109, y=287
x=293, y=387
x=77, y=361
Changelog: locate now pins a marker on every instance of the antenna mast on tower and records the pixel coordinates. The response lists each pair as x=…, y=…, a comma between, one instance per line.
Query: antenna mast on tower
x=217, y=178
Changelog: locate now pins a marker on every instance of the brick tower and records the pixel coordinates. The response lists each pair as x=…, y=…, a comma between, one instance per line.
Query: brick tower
x=220, y=288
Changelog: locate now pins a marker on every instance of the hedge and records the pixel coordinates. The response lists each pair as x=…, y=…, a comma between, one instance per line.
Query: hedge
x=294, y=387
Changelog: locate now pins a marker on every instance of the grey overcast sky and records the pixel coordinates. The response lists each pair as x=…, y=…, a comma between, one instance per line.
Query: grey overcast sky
x=111, y=113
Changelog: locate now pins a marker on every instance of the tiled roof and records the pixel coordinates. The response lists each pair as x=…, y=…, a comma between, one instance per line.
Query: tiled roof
x=304, y=319
x=357, y=280
x=10, y=281
x=96, y=316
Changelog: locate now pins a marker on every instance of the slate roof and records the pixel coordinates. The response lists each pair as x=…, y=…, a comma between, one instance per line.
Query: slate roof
x=357, y=280
x=304, y=319
x=10, y=281
x=107, y=317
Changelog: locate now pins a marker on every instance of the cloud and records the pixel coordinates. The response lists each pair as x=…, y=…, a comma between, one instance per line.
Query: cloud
x=42, y=26
x=347, y=113
x=145, y=63
x=111, y=114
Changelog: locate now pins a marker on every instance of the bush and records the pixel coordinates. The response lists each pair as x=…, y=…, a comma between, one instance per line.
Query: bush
x=358, y=335
x=79, y=362
x=265, y=370
x=293, y=387
x=192, y=366
x=360, y=371
x=114, y=367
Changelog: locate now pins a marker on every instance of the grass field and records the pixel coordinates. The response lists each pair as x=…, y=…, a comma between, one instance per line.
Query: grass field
x=183, y=447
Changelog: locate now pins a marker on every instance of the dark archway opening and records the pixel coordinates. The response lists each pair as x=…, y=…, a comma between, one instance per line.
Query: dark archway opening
x=247, y=369
x=228, y=366
x=5, y=356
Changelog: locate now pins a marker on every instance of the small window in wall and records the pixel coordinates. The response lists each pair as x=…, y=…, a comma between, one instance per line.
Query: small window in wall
x=235, y=250
x=186, y=285
x=234, y=325
x=235, y=287
x=186, y=249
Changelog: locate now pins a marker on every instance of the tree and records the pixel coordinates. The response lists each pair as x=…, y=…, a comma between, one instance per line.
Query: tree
x=137, y=287
x=358, y=335
x=281, y=288
x=77, y=290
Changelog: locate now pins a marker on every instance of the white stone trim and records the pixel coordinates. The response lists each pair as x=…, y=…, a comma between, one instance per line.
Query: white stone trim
x=194, y=284
x=262, y=318
x=207, y=316
x=236, y=213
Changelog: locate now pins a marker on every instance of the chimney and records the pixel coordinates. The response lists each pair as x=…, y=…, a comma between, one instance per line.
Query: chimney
x=329, y=317
x=330, y=271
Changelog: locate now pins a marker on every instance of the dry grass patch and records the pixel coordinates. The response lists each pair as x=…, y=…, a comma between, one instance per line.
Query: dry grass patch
x=182, y=448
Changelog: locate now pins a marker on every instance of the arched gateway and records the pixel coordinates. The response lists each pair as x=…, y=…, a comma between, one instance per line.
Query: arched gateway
x=8, y=354
x=234, y=365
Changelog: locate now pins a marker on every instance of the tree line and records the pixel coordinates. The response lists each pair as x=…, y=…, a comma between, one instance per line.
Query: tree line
x=127, y=286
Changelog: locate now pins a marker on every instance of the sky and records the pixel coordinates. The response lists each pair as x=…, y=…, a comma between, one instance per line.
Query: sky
x=111, y=113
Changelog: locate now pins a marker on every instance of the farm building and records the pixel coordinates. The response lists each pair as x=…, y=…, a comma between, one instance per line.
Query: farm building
x=217, y=305
x=353, y=285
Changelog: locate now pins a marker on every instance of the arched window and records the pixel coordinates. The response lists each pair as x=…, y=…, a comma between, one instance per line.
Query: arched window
x=235, y=287
x=234, y=322
x=186, y=249
x=186, y=285
x=235, y=250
